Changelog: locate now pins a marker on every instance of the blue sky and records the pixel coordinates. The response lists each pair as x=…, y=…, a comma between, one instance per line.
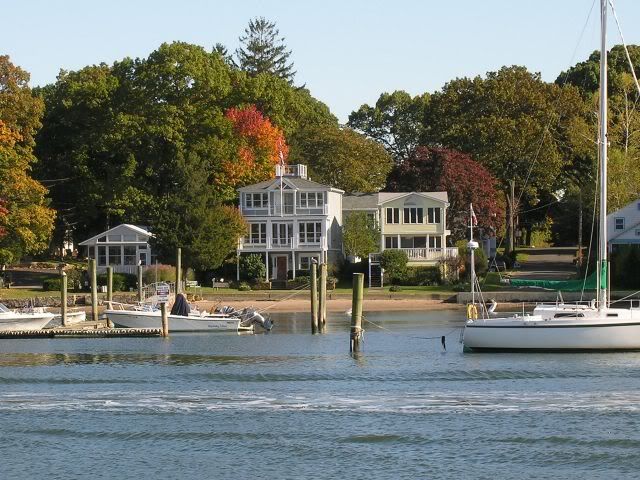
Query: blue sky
x=346, y=52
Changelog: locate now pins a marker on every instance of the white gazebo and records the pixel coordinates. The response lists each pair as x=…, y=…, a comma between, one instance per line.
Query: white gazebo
x=121, y=247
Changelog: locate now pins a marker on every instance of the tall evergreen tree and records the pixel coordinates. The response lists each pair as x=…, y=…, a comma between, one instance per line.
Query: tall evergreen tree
x=262, y=51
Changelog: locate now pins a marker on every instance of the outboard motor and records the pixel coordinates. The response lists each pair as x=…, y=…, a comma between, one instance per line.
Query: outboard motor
x=492, y=306
x=250, y=317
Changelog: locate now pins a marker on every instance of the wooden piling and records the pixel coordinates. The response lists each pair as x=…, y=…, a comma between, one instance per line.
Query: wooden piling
x=178, y=270
x=109, y=285
x=356, y=312
x=94, y=289
x=322, y=304
x=63, y=297
x=140, y=294
x=314, y=298
x=165, y=319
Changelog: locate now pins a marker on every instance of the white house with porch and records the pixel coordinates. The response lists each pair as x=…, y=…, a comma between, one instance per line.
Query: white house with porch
x=623, y=226
x=120, y=247
x=415, y=222
x=292, y=220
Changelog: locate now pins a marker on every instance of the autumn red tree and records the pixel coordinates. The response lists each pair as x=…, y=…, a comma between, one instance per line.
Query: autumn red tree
x=260, y=145
x=432, y=169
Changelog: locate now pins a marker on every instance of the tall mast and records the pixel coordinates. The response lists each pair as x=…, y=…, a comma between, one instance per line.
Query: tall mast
x=602, y=253
x=472, y=260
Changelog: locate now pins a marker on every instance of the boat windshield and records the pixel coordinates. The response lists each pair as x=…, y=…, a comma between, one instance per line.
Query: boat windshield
x=4, y=309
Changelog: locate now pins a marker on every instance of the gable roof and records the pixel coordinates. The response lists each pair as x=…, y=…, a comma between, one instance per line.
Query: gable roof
x=384, y=197
x=135, y=228
x=366, y=201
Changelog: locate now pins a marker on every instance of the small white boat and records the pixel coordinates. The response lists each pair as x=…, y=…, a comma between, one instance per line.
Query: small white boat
x=183, y=319
x=11, y=320
x=73, y=317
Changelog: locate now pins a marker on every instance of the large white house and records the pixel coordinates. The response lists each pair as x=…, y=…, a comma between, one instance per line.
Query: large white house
x=120, y=247
x=415, y=222
x=623, y=226
x=292, y=220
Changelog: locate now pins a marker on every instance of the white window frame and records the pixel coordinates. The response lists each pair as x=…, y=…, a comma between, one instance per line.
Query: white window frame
x=311, y=199
x=257, y=234
x=314, y=233
x=304, y=261
x=391, y=241
x=256, y=200
x=395, y=216
x=435, y=241
x=434, y=215
x=415, y=215
x=615, y=223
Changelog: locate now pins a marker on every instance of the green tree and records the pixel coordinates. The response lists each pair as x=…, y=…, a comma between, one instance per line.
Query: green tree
x=394, y=262
x=26, y=221
x=252, y=267
x=262, y=51
x=342, y=158
x=513, y=123
x=360, y=234
x=396, y=121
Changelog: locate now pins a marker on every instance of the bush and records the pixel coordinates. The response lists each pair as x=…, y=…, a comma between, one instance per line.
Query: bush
x=394, y=263
x=262, y=285
x=420, y=276
x=252, y=267
x=51, y=284
x=122, y=282
x=165, y=273
x=75, y=278
x=244, y=287
x=299, y=282
x=394, y=288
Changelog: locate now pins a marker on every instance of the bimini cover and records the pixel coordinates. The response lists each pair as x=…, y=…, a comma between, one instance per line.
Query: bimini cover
x=181, y=306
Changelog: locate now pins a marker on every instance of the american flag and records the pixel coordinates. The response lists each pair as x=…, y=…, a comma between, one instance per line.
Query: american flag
x=474, y=219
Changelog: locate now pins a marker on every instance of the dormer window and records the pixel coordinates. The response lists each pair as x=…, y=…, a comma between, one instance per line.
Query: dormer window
x=256, y=200
x=311, y=199
x=619, y=223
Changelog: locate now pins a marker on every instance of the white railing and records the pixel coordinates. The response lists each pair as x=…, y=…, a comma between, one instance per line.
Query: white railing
x=422, y=254
x=275, y=243
x=277, y=210
x=131, y=269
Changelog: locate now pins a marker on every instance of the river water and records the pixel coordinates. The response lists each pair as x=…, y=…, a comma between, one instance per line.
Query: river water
x=290, y=405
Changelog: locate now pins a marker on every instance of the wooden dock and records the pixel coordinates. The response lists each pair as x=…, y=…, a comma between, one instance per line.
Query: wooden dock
x=85, y=330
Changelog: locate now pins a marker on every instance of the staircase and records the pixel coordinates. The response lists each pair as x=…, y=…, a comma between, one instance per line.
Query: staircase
x=375, y=271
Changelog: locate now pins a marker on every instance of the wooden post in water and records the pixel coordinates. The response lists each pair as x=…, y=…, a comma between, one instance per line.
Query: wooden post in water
x=109, y=285
x=314, y=297
x=356, y=312
x=165, y=319
x=178, y=270
x=322, y=304
x=63, y=297
x=140, y=283
x=94, y=289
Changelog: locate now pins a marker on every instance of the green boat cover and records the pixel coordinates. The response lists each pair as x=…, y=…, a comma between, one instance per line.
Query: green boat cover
x=562, y=285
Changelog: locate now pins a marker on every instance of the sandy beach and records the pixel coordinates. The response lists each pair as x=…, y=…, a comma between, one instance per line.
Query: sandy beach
x=334, y=305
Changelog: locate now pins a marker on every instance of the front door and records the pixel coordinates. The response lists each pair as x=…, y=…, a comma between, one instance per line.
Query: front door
x=281, y=268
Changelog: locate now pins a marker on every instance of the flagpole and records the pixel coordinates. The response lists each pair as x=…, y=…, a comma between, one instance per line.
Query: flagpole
x=473, y=263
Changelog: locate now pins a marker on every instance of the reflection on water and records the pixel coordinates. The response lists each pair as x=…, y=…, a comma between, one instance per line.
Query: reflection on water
x=298, y=405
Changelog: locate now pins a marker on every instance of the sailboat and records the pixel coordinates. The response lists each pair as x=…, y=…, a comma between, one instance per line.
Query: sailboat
x=563, y=327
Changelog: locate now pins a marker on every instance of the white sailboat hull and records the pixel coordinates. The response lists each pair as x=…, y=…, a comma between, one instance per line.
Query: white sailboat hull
x=14, y=321
x=611, y=329
x=177, y=323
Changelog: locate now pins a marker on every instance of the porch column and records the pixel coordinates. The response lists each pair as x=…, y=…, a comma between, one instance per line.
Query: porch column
x=266, y=262
x=238, y=266
x=399, y=241
x=293, y=264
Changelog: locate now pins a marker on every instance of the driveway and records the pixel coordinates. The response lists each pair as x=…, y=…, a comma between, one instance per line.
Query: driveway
x=554, y=263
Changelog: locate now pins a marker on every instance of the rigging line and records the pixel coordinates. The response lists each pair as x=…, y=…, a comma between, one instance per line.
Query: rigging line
x=296, y=291
x=542, y=206
x=626, y=50
x=548, y=125
x=438, y=337
x=593, y=222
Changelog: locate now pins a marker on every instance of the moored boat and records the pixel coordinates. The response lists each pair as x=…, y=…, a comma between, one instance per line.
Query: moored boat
x=11, y=320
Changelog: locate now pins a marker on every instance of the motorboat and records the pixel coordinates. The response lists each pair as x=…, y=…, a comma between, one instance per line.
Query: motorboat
x=13, y=320
x=185, y=318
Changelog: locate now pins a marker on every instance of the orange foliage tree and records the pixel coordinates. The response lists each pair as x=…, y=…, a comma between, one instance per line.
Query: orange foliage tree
x=260, y=146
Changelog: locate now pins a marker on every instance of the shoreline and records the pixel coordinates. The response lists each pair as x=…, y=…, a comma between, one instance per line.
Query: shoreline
x=334, y=305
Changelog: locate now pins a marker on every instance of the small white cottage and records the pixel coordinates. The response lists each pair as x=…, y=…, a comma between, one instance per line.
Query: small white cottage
x=120, y=247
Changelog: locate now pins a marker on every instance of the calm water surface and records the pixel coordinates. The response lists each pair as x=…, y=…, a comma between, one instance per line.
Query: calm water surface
x=292, y=405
